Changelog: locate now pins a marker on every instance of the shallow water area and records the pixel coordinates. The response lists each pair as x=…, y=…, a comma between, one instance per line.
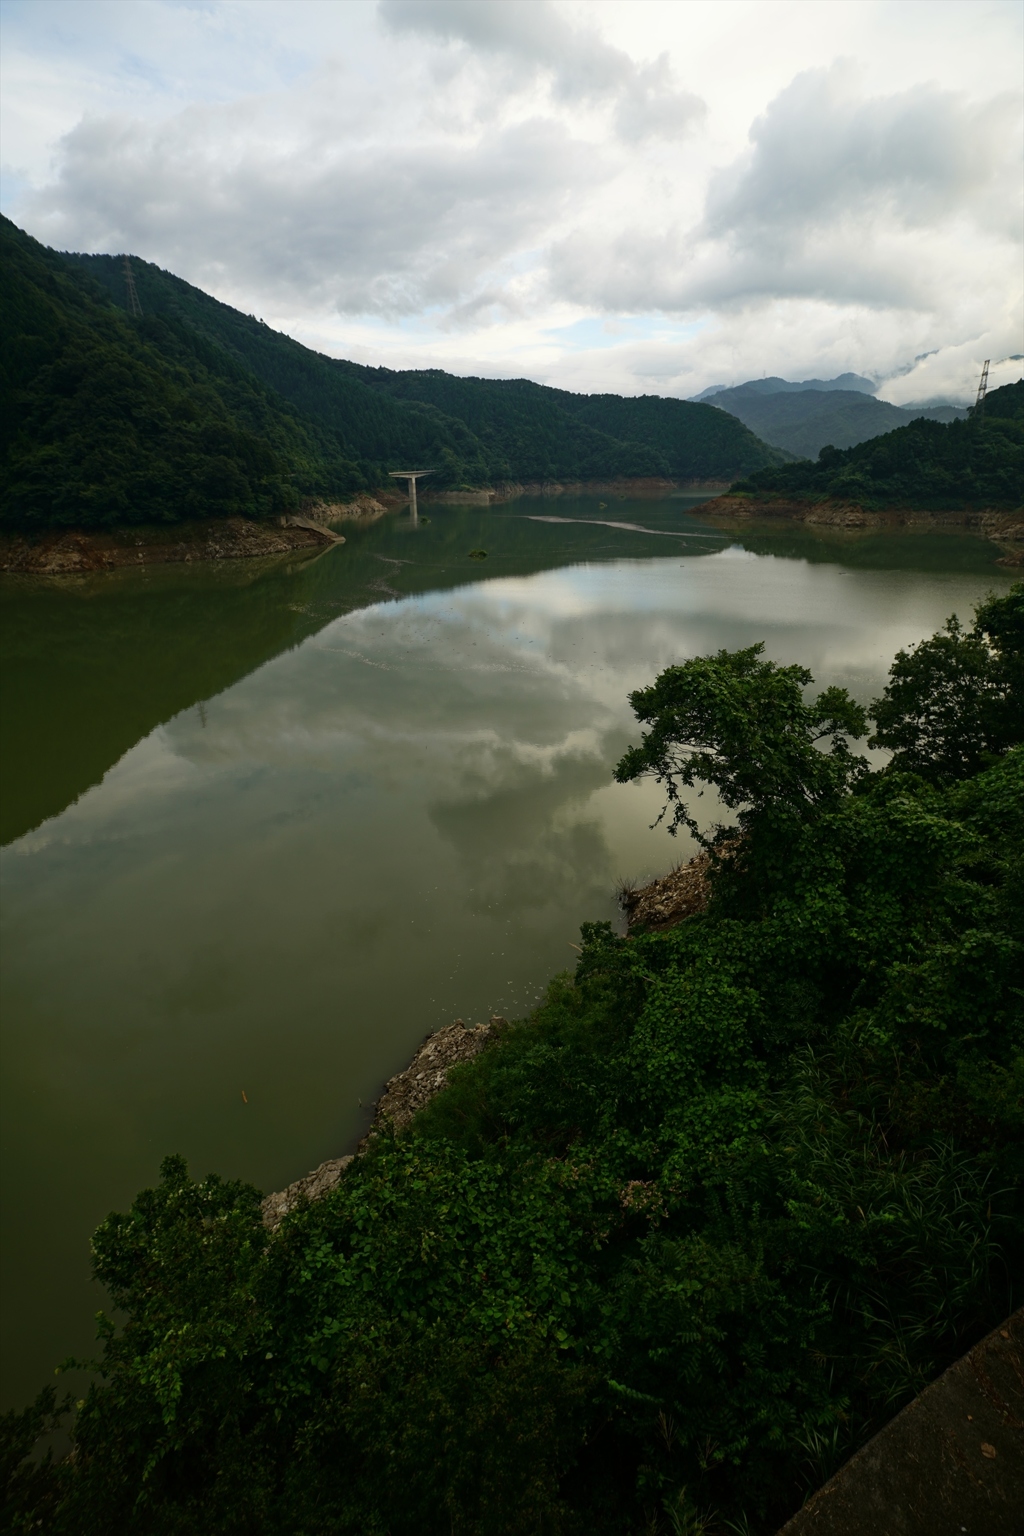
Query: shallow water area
x=266, y=826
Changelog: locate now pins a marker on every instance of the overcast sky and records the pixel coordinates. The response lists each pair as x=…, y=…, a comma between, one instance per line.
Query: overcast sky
x=649, y=196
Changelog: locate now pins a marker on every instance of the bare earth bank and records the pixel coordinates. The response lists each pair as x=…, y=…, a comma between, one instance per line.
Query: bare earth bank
x=1004, y=528
x=69, y=551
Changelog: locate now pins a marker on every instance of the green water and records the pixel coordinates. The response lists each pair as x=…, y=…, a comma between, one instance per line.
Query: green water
x=267, y=825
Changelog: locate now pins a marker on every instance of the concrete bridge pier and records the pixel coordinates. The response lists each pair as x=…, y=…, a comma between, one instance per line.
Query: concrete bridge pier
x=412, y=475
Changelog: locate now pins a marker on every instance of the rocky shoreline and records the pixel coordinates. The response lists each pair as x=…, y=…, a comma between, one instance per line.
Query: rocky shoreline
x=654, y=907
x=664, y=902
x=404, y=1096
x=1004, y=528
x=75, y=551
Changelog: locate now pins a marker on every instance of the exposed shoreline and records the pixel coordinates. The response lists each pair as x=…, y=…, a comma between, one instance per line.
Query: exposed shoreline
x=75, y=551
x=660, y=904
x=404, y=1096
x=1005, y=528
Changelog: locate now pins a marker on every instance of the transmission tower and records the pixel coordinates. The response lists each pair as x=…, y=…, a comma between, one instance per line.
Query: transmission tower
x=982, y=387
x=135, y=308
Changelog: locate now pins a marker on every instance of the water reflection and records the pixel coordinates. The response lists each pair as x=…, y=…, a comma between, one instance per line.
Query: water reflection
x=334, y=820
x=91, y=665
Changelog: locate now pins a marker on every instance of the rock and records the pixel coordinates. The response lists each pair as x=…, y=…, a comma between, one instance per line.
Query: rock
x=665, y=902
x=407, y=1092
x=65, y=552
x=404, y=1095
x=311, y=1187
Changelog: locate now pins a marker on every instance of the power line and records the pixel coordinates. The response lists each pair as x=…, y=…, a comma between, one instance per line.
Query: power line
x=134, y=307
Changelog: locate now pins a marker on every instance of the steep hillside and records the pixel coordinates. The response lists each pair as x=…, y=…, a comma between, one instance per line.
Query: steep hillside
x=536, y=433
x=109, y=420
x=390, y=434
x=471, y=431
x=975, y=463
x=193, y=409
x=697, y=446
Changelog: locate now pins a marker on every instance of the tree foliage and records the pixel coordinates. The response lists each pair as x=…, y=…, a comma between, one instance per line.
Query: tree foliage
x=668, y=1250
x=109, y=421
x=956, y=702
x=978, y=463
x=469, y=431
x=740, y=724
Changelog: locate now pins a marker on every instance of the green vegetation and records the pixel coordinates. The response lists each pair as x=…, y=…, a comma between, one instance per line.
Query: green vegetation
x=530, y=432
x=390, y=434
x=804, y=420
x=978, y=463
x=110, y=421
x=196, y=410
x=670, y=1249
x=471, y=432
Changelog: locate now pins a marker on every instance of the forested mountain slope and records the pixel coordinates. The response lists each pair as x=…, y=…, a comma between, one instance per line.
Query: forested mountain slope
x=109, y=420
x=469, y=431
x=808, y=420
x=804, y=418
x=534, y=432
x=933, y=466
x=390, y=434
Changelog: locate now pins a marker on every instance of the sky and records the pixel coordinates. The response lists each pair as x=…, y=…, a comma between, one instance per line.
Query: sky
x=644, y=196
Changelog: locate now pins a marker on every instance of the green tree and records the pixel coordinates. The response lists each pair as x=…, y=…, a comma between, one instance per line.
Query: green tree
x=955, y=702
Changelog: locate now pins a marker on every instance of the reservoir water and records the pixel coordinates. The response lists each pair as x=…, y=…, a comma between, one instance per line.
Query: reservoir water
x=265, y=826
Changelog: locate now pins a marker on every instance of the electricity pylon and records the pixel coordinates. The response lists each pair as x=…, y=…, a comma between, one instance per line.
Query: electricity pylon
x=982, y=387
x=134, y=307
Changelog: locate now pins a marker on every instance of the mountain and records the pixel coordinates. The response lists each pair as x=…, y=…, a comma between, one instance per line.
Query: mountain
x=470, y=431
x=807, y=420
x=194, y=409
x=107, y=420
x=978, y=462
x=777, y=386
x=804, y=419
x=530, y=430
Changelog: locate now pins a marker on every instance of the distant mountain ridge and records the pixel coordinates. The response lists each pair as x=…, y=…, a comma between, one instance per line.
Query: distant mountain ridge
x=817, y=413
x=776, y=386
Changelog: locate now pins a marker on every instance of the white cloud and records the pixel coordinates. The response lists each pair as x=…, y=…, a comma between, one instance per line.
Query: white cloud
x=479, y=184
x=582, y=67
x=839, y=197
x=392, y=229
x=823, y=148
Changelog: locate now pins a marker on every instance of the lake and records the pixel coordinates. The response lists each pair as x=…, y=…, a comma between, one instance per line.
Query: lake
x=267, y=825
